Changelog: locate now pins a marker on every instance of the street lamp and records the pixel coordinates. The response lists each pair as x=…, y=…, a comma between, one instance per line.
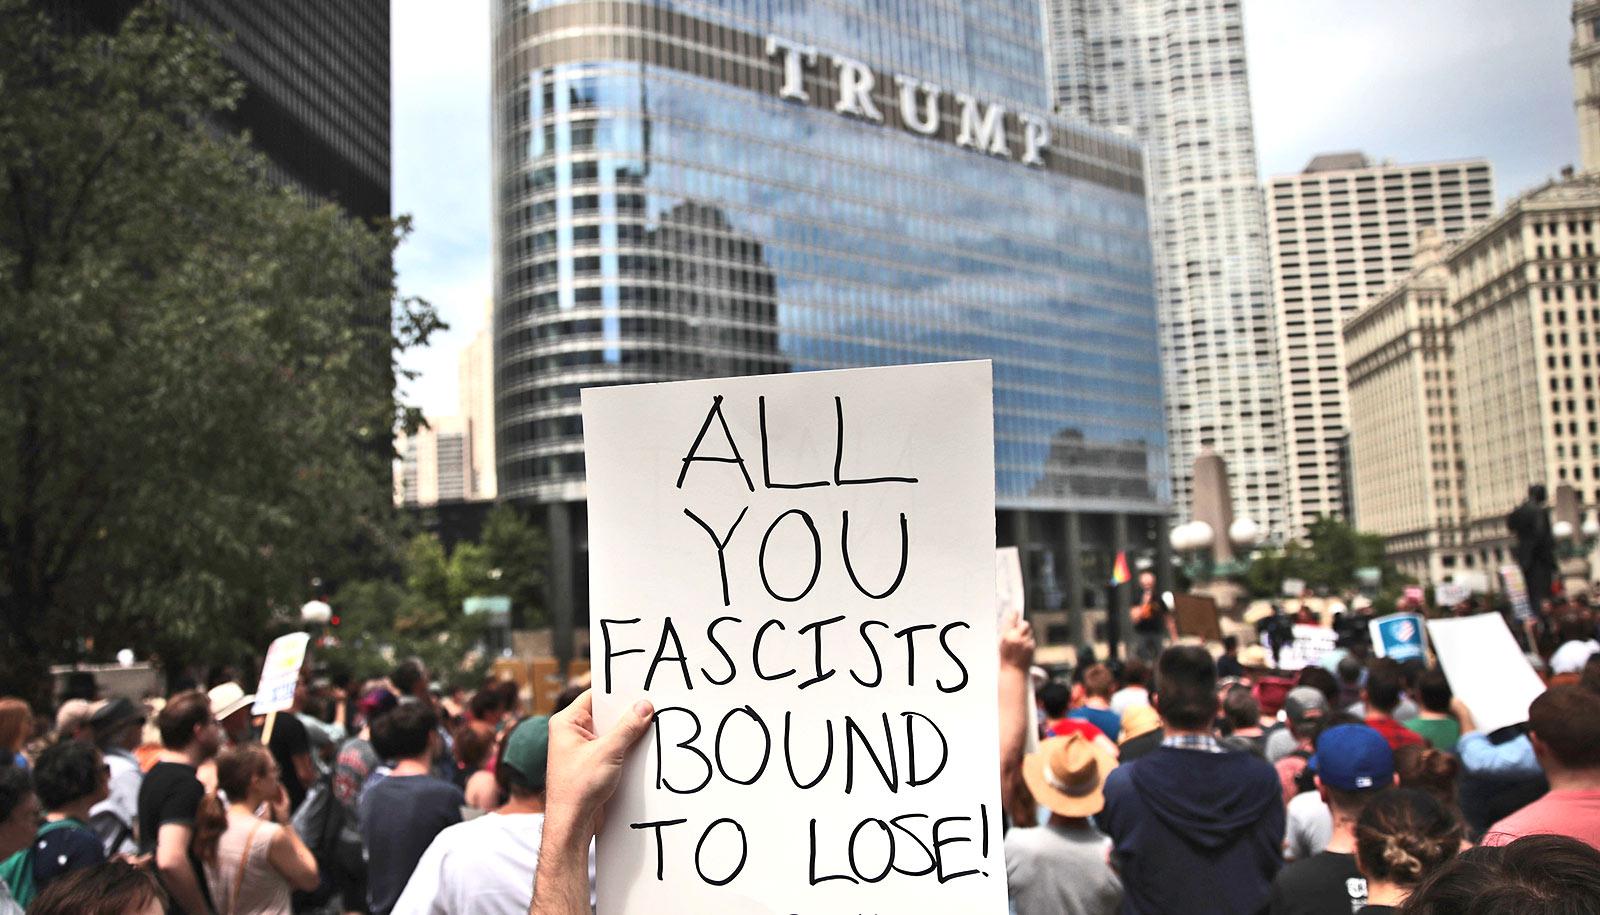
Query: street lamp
x=1246, y=533
x=316, y=613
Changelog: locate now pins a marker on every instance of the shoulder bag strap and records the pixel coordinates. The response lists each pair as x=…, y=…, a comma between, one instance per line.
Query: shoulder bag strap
x=244, y=860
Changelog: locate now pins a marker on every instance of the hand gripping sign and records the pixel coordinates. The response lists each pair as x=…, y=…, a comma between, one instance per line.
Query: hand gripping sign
x=797, y=570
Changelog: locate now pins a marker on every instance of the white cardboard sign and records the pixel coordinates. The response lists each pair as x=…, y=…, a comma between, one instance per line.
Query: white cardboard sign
x=796, y=570
x=280, y=672
x=1485, y=668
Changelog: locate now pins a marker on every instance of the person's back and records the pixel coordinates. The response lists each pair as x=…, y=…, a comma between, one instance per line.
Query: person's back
x=1061, y=870
x=242, y=879
x=1196, y=829
x=1564, y=729
x=401, y=815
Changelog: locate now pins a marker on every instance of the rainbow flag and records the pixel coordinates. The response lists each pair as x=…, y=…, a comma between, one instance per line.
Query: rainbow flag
x=1119, y=569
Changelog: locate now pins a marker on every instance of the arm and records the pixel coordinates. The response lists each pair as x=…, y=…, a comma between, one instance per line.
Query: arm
x=581, y=775
x=177, y=873
x=1512, y=760
x=292, y=860
x=1016, y=716
x=304, y=769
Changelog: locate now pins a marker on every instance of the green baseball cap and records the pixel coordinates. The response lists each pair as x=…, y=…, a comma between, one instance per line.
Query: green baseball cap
x=528, y=748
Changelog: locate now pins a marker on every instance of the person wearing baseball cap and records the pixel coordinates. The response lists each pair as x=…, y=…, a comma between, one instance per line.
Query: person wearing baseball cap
x=485, y=865
x=1353, y=763
x=1063, y=865
x=1303, y=710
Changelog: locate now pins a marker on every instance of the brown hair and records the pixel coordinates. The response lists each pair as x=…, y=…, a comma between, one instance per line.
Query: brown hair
x=1429, y=770
x=237, y=767
x=1404, y=835
x=16, y=724
x=113, y=888
x=1098, y=681
x=474, y=743
x=1535, y=875
x=1566, y=719
x=180, y=716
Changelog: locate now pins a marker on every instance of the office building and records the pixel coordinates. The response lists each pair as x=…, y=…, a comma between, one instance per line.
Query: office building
x=1507, y=371
x=1404, y=432
x=1585, y=59
x=1173, y=76
x=1341, y=232
x=729, y=187
x=434, y=463
x=316, y=86
x=475, y=385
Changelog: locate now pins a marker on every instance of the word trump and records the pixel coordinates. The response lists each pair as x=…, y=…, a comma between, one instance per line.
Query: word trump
x=921, y=104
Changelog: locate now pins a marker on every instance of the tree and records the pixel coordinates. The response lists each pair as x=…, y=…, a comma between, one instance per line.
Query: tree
x=1328, y=560
x=196, y=366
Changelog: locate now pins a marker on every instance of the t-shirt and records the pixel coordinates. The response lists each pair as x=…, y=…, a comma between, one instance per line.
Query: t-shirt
x=1559, y=813
x=355, y=762
x=1441, y=732
x=1061, y=727
x=1397, y=734
x=1060, y=870
x=483, y=866
x=170, y=793
x=289, y=739
x=1128, y=697
x=1309, y=826
x=1109, y=722
x=8, y=905
x=400, y=816
x=113, y=818
x=63, y=850
x=1327, y=883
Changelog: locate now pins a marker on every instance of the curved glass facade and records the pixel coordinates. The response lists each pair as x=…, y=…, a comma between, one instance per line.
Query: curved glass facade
x=658, y=223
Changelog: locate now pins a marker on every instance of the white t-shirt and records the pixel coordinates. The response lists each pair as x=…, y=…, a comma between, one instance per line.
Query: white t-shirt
x=1128, y=697
x=1308, y=826
x=8, y=906
x=123, y=801
x=483, y=867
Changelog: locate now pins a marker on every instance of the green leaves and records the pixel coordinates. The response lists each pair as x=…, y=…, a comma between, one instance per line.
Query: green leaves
x=196, y=365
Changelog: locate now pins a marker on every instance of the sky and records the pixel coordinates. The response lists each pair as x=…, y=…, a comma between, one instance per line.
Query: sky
x=1407, y=80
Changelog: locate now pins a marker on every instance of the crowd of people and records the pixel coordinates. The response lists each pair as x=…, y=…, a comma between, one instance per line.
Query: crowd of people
x=1195, y=783
x=390, y=796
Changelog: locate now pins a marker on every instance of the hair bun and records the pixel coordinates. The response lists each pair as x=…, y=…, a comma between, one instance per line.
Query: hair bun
x=1402, y=863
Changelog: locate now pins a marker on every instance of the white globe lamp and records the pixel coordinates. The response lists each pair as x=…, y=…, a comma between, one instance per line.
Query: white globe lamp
x=1562, y=530
x=316, y=612
x=1246, y=532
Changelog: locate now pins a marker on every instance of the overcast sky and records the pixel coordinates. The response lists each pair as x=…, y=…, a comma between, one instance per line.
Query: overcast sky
x=1408, y=80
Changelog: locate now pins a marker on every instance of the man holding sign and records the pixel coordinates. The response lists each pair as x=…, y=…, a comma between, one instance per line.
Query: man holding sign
x=794, y=571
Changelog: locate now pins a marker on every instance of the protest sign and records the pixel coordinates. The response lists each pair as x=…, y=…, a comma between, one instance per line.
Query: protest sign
x=1516, y=591
x=1399, y=636
x=1305, y=647
x=1197, y=616
x=796, y=569
x=1486, y=668
x=1449, y=594
x=279, y=673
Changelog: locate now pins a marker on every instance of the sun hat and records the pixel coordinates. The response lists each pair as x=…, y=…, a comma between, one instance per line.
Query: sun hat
x=1138, y=720
x=227, y=699
x=1068, y=775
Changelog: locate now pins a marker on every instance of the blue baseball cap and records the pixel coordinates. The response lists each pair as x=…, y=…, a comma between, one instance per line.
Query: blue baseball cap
x=1353, y=757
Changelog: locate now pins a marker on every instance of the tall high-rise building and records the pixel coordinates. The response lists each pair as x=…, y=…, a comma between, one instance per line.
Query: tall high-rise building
x=1173, y=75
x=1341, y=232
x=434, y=465
x=316, y=85
x=723, y=187
x=475, y=387
x=1585, y=59
x=1506, y=370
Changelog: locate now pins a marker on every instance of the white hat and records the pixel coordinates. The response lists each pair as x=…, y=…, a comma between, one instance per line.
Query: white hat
x=228, y=698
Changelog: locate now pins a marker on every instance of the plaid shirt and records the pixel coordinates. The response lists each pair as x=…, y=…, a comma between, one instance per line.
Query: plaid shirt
x=1204, y=743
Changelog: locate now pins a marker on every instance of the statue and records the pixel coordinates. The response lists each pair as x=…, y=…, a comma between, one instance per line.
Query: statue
x=1536, y=545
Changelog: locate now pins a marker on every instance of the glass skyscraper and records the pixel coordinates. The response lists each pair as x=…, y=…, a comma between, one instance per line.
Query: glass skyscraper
x=719, y=187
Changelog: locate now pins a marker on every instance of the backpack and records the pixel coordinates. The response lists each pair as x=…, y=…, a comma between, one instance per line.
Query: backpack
x=17, y=870
x=319, y=822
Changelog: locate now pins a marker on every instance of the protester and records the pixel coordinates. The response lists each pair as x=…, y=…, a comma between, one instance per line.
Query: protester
x=475, y=744
x=1403, y=836
x=290, y=744
x=486, y=865
x=401, y=815
x=69, y=778
x=1281, y=740
x=1354, y=764
x=1195, y=828
x=1141, y=732
x=1228, y=664
x=1433, y=772
x=117, y=727
x=355, y=763
x=1435, y=722
x=1499, y=772
x=1056, y=700
x=1564, y=727
x=1062, y=866
x=1380, y=698
x=582, y=774
x=251, y=864
x=1241, y=715
x=1304, y=708
x=1309, y=819
x=1014, y=674
x=19, y=818
x=72, y=720
x=230, y=705
x=16, y=729
x=1098, y=684
x=1135, y=688
x=1153, y=622
x=170, y=796
x=113, y=888
x=1535, y=875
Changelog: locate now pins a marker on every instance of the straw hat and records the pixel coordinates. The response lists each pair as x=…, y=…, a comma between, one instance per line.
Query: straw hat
x=1137, y=721
x=1068, y=775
